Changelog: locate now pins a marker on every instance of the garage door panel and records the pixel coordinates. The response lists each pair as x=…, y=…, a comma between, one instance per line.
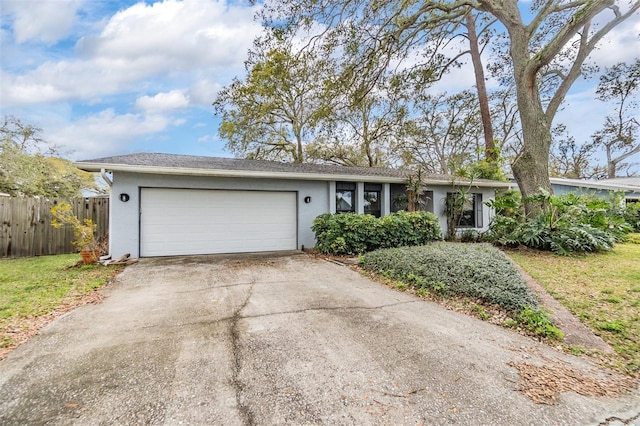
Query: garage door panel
x=182, y=221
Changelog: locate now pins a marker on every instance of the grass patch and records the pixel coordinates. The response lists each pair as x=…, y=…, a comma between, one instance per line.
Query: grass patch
x=600, y=289
x=479, y=272
x=35, y=287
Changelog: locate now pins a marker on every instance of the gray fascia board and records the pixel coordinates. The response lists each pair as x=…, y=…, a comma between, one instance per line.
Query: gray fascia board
x=593, y=185
x=97, y=167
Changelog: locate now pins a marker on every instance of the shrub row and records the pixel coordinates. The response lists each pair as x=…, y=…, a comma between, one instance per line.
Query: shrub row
x=350, y=233
x=475, y=270
x=570, y=223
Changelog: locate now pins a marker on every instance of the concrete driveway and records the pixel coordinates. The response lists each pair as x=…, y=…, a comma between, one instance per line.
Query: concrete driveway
x=280, y=339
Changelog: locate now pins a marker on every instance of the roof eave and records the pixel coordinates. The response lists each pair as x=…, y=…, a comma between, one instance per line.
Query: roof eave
x=184, y=171
x=593, y=185
x=97, y=167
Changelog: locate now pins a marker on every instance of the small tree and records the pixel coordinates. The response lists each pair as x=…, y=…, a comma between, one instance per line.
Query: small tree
x=84, y=231
x=453, y=209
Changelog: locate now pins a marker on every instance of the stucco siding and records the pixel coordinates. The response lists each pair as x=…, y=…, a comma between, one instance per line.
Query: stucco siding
x=125, y=234
x=439, y=199
x=125, y=216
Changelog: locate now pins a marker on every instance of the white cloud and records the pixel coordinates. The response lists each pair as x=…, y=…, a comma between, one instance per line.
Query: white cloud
x=186, y=34
x=106, y=132
x=622, y=44
x=174, y=99
x=206, y=139
x=42, y=21
x=170, y=39
x=203, y=92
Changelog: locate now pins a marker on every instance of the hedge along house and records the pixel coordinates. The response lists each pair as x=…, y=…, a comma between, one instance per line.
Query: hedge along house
x=166, y=205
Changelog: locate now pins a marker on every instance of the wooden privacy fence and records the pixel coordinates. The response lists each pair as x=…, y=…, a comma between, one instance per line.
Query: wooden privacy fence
x=27, y=230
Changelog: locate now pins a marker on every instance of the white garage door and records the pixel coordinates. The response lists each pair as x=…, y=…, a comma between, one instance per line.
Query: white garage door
x=185, y=221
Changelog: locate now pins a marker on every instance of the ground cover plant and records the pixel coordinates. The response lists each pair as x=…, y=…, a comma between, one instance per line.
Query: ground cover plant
x=350, y=233
x=602, y=290
x=477, y=271
x=31, y=289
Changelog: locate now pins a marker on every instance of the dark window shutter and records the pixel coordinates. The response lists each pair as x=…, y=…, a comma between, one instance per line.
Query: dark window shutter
x=477, y=202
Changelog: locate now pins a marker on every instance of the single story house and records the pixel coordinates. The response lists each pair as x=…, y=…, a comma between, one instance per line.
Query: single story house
x=165, y=204
x=602, y=188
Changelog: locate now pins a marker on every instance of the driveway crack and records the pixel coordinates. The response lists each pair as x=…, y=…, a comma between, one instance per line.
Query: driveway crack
x=612, y=419
x=237, y=384
x=333, y=308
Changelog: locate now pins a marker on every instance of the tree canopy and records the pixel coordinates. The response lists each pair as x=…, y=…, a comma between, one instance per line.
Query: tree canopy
x=619, y=134
x=29, y=167
x=539, y=49
x=272, y=114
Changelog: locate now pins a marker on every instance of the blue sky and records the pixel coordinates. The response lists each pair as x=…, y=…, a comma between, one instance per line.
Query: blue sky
x=104, y=77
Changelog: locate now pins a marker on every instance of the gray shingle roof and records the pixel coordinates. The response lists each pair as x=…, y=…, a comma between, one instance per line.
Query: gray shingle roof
x=195, y=163
x=218, y=163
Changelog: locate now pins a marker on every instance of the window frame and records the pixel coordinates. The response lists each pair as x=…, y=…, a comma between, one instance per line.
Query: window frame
x=474, y=212
x=346, y=187
x=372, y=188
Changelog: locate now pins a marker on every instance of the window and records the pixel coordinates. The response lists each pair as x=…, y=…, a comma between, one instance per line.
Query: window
x=372, y=198
x=472, y=212
x=345, y=197
x=400, y=201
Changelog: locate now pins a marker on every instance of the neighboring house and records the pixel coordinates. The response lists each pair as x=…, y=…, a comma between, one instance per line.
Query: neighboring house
x=165, y=205
x=629, y=186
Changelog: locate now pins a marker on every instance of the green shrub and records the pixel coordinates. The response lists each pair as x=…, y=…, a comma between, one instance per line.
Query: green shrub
x=631, y=215
x=570, y=224
x=469, y=236
x=350, y=233
x=479, y=271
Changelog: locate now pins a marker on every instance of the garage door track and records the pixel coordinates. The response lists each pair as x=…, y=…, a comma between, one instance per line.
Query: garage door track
x=281, y=339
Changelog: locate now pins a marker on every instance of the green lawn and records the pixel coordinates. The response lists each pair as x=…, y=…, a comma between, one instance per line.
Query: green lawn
x=34, y=287
x=602, y=290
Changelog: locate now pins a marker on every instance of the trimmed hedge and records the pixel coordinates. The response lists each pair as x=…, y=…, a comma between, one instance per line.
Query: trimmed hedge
x=350, y=233
x=475, y=270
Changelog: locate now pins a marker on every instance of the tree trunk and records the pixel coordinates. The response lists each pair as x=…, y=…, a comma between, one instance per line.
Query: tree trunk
x=298, y=156
x=490, y=153
x=531, y=166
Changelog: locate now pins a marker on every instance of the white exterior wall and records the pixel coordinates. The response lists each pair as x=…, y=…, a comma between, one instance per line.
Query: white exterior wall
x=439, y=198
x=125, y=216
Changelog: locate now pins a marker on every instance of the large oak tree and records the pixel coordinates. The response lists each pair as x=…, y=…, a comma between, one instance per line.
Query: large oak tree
x=546, y=49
